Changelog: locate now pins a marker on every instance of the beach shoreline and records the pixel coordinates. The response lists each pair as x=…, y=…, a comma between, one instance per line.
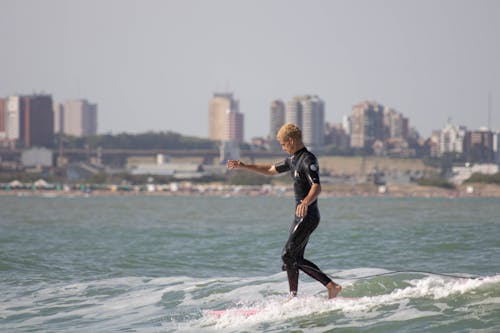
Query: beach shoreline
x=223, y=190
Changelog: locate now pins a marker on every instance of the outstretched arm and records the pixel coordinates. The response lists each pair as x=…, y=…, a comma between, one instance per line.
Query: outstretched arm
x=263, y=169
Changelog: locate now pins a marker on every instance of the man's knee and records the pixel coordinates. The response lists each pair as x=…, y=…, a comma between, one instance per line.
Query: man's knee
x=290, y=260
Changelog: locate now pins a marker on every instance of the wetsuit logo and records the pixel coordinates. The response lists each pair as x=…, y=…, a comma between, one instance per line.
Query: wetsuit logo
x=313, y=167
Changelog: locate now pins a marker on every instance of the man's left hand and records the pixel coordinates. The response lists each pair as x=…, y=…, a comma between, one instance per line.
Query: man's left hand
x=301, y=210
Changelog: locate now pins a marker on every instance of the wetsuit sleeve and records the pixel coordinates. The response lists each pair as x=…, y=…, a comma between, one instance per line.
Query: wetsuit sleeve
x=310, y=167
x=282, y=166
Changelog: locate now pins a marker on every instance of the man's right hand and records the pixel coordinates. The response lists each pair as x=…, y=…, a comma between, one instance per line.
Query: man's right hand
x=234, y=164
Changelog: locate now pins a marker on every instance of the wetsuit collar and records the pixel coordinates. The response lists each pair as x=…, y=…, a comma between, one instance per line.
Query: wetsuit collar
x=298, y=152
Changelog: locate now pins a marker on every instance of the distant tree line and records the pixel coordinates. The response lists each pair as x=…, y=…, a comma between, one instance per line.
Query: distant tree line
x=482, y=178
x=148, y=140
x=436, y=182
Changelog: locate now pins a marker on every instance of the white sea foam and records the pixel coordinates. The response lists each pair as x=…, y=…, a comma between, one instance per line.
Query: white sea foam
x=365, y=308
x=182, y=303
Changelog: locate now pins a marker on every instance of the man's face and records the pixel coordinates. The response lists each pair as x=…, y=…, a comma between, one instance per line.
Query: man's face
x=287, y=145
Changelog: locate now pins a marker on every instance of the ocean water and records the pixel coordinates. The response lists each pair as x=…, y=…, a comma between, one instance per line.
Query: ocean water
x=161, y=264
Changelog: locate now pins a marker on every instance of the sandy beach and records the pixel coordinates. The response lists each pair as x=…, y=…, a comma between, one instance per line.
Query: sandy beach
x=217, y=189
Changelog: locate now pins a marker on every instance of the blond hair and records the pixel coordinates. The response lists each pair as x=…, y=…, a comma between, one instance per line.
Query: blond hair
x=289, y=131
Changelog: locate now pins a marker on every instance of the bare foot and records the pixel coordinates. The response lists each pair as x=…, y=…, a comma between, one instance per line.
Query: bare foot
x=291, y=296
x=333, y=289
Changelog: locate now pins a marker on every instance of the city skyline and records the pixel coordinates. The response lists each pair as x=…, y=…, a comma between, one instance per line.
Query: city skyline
x=85, y=123
x=31, y=121
x=159, y=62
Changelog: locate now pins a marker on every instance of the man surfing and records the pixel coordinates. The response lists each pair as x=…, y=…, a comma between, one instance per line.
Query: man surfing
x=304, y=169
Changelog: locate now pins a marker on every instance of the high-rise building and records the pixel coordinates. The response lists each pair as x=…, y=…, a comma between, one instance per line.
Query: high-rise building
x=395, y=124
x=313, y=122
x=308, y=112
x=12, y=124
x=294, y=111
x=79, y=118
x=29, y=121
x=218, y=106
x=225, y=122
x=496, y=146
x=36, y=121
x=479, y=146
x=234, y=127
x=277, y=118
x=367, y=125
x=452, y=139
x=58, y=118
x=3, y=117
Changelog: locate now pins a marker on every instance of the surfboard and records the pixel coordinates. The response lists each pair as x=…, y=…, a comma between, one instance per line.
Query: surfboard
x=344, y=298
x=241, y=312
x=251, y=312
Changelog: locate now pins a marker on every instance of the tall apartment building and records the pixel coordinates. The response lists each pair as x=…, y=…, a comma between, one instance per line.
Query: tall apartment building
x=37, y=121
x=452, y=139
x=308, y=112
x=225, y=122
x=234, y=127
x=479, y=146
x=77, y=117
x=294, y=111
x=367, y=125
x=277, y=117
x=313, y=122
x=3, y=117
x=12, y=115
x=396, y=125
x=218, y=106
x=29, y=121
x=496, y=146
x=58, y=118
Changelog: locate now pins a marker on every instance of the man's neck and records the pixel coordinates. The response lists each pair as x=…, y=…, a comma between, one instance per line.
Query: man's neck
x=299, y=147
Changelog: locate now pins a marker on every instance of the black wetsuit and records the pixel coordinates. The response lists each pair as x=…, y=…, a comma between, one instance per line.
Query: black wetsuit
x=303, y=167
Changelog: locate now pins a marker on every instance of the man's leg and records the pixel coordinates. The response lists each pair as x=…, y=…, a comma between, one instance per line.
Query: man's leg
x=293, y=258
x=293, y=281
x=315, y=272
x=293, y=252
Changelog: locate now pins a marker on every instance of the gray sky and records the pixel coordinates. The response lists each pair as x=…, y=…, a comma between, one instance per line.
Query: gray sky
x=153, y=65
